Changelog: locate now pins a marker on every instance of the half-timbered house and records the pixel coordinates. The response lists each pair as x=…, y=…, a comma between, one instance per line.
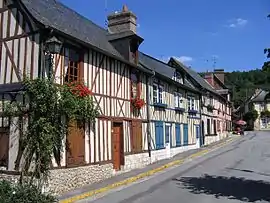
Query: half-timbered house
x=106, y=60
x=213, y=125
x=174, y=110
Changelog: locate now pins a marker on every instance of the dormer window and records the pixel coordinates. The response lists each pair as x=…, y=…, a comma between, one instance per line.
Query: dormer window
x=178, y=77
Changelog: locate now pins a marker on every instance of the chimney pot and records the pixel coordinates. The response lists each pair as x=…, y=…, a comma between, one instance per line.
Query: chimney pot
x=125, y=8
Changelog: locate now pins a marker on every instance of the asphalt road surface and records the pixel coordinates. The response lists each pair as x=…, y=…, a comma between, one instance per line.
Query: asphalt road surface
x=238, y=172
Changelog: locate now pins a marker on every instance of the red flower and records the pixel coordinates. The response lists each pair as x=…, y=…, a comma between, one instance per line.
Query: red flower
x=79, y=89
x=137, y=102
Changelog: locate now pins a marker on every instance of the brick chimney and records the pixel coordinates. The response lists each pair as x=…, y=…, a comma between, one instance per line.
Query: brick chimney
x=209, y=78
x=122, y=34
x=123, y=21
x=220, y=74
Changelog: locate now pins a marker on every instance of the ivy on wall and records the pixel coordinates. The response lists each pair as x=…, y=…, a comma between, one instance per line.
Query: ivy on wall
x=48, y=110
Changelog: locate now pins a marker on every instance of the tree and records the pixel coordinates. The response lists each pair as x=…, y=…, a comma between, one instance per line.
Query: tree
x=251, y=116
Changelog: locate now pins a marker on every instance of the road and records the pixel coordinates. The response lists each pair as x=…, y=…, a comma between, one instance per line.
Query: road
x=238, y=172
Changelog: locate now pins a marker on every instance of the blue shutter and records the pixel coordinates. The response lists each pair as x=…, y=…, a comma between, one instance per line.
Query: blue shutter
x=185, y=134
x=198, y=132
x=177, y=135
x=159, y=134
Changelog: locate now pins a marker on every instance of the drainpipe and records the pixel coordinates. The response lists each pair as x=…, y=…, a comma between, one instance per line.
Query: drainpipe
x=202, y=127
x=148, y=112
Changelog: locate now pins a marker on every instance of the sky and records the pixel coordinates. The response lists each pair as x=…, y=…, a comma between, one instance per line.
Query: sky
x=204, y=34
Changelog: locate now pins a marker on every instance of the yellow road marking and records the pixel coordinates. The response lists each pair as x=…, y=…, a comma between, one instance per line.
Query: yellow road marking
x=140, y=176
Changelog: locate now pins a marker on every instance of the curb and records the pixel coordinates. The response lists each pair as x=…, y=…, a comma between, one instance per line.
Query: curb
x=142, y=175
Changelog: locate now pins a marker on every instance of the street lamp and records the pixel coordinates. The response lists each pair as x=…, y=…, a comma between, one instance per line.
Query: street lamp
x=52, y=46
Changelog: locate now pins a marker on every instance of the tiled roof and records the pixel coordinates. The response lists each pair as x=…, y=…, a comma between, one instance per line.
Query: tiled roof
x=54, y=14
x=201, y=81
x=161, y=68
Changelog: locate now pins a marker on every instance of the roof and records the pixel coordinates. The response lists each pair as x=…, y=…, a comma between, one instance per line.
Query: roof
x=162, y=68
x=195, y=76
x=54, y=14
x=260, y=97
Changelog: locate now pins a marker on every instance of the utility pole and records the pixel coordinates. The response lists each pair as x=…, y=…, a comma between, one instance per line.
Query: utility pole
x=106, y=12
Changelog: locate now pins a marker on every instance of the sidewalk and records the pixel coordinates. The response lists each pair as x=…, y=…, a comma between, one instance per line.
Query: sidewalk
x=134, y=175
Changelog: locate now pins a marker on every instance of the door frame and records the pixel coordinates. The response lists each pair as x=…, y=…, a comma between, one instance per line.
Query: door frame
x=170, y=134
x=121, y=145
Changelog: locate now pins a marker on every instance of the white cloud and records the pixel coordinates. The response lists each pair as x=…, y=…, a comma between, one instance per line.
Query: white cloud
x=184, y=59
x=237, y=23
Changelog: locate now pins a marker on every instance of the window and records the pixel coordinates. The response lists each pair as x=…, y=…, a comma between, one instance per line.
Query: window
x=135, y=84
x=208, y=127
x=178, y=77
x=215, y=127
x=211, y=101
x=72, y=65
x=158, y=93
x=191, y=103
x=178, y=99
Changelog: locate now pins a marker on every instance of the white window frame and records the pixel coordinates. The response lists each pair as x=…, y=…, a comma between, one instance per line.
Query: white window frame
x=178, y=77
x=178, y=100
x=191, y=103
x=158, y=93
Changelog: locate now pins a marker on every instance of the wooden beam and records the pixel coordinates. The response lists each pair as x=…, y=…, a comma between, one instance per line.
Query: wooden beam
x=12, y=62
x=23, y=35
x=98, y=71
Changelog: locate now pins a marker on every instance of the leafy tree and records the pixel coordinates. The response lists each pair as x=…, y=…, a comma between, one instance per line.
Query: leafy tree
x=251, y=116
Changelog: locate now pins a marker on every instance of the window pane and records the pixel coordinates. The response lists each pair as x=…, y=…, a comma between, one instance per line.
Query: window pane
x=176, y=99
x=160, y=97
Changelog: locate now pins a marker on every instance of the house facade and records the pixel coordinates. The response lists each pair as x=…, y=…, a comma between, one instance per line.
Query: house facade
x=215, y=108
x=261, y=103
x=107, y=62
x=174, y=109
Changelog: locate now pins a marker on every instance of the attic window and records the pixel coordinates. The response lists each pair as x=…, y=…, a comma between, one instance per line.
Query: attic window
x=178, y=77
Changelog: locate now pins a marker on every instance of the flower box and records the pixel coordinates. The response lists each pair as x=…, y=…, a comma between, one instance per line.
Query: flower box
x=160, y=105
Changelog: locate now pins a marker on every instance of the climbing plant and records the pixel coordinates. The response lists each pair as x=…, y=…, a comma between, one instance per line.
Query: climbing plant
x=48, y=109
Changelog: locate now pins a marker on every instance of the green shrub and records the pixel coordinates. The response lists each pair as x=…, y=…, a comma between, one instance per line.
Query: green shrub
x=25, y=193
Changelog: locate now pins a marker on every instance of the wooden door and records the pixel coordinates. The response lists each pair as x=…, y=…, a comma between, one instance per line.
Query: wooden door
x=136, y=139
x=118, y=146
x=4, y=146
x=75, y=144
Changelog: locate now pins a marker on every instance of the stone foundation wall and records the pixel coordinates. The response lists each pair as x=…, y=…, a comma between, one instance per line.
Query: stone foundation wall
x=63, y=180
x=212, y=139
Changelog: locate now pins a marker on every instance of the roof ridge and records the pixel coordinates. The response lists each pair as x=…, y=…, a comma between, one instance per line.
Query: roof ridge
x=155, y=59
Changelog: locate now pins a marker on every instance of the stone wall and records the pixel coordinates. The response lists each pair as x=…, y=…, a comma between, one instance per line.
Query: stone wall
x=63, y=180
x=212, y=139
